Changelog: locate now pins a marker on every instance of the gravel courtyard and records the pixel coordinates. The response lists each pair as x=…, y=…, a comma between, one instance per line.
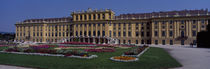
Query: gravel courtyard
x=190, y=58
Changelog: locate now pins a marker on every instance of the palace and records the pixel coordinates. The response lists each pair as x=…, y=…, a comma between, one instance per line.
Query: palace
x=102, y=26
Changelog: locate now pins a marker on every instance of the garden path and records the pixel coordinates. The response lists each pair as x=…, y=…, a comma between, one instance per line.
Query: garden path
x=190, y=58
x=12, y=67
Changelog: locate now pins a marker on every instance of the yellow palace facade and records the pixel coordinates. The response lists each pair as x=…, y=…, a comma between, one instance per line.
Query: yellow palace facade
x=102, y=27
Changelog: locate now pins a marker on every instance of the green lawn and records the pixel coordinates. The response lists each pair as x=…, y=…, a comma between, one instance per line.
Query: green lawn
x=154, y=58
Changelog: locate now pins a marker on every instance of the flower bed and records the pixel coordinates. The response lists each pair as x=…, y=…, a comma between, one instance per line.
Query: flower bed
x=79, y=47
x=124, y=59
x=78, y=43
x=3, y=45
x=101, y=50
x=136, y=52
x=58, y=55
x=49, y=52
x=41, y=46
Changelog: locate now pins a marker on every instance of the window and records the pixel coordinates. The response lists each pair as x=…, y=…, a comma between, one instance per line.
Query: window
x=124, y=41
x=85, y=25
x=163, y=33
x=114, y=33
x=182, y=22
x=103, y=24
x=94, y=33
x=163, y=42
x=182, y=42
x=202, y=21
x=142, y=28
x=48, y=34
x=182, y=26
x=182, y=33
x=194, y=21
x=156, y=42
x=56, y=34
x=194, y=42
x=98, y=33
x=163, y=27
x=129, y=41
x=202, y=26
x=171, y=42
x=119, y=33
x=110, y=33
x=103, y=16
x=194, y=33
x=156, y=33
x=99, y=16
x=124, y=34
x=89, y=33
x=85, y=33
x=85, y=17
x=194, y=26
x=170, y=33
x=94, y=16
x=156, y=22
x=103, y=33
x=137, y=34
x=80, y=17
x=89, y=16
x=80, y=33
x=142, y=41
x=156, y=27
x=77, y=18
x=171, y=27
x=148, y=34
x=137, y=41
x=59, y=33
x=142, y=34
x=129, y=34
x=163, y=22
x=171, y=22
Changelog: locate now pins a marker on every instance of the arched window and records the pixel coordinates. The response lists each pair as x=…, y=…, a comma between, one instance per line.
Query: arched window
x=103, y=33
x=182, y=33
x=98, y=33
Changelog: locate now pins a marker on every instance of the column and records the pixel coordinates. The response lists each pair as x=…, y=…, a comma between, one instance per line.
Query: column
x=94, y=40
x=153, y=29
x=167, y=29
x=159, y=29
x=190, y=28
x=187, y=28
x=99, y=40
x=198, y=25
x=175, y=29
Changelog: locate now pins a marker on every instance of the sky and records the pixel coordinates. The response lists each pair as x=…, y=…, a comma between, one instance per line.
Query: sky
x=12, y=11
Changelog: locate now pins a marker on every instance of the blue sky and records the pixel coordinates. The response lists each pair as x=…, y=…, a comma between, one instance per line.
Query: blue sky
x=12, y=11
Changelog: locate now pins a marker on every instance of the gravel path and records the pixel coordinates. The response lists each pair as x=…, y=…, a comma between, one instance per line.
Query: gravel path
x=12, y=67
x=190, y=58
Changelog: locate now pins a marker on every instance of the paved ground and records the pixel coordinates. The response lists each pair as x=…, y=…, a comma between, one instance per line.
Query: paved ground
x=190, y=58
x=12, y=67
